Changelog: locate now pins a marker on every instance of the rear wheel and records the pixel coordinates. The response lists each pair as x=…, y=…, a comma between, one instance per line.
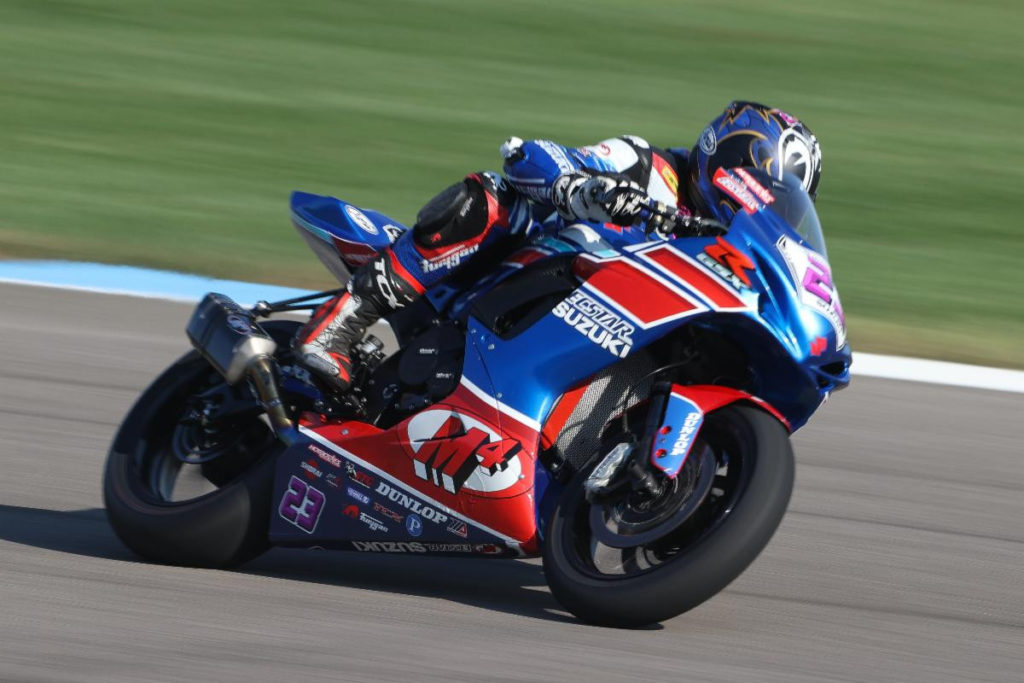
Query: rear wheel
x=181, y=489
x=637, y=559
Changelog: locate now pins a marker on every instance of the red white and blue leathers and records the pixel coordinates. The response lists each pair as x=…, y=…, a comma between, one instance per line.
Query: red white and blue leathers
x=540, y=190
x=546, y=184
x=526, y=198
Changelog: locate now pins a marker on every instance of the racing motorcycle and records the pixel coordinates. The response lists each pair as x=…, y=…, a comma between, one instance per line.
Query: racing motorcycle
x=618, y=402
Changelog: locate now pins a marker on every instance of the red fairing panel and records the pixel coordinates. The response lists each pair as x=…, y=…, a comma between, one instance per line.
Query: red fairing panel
x=710, y=397
x=460, y=453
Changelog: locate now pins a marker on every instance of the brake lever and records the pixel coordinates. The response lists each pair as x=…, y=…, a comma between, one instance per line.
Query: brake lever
x=698, y=226
x=658, y=217
x=668, y=221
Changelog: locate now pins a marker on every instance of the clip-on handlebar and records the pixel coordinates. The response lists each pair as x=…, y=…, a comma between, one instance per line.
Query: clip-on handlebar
x=669, y=221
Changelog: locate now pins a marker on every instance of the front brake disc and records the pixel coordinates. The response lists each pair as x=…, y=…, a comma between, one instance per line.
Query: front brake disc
x=623, y=525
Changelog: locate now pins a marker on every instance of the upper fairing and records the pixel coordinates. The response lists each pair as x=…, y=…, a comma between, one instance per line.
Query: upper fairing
x=762, y=285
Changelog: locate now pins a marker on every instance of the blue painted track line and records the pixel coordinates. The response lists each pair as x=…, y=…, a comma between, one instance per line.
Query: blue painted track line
x=133, y=281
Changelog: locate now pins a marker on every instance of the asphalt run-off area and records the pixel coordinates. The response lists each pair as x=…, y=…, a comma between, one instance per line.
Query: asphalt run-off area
x=899, y=558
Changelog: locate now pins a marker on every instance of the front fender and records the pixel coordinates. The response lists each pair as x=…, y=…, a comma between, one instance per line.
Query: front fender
x=682, y=416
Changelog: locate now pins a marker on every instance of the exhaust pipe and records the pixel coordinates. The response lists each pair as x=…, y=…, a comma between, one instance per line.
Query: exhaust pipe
x=226, y=335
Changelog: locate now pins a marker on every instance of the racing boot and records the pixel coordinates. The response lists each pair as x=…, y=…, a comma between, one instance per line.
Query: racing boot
x=377, y=288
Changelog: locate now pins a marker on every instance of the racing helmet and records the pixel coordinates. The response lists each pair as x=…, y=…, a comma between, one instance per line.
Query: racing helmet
x=751, y=135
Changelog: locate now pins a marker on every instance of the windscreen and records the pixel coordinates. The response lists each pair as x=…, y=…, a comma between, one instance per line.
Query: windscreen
x=794, y=205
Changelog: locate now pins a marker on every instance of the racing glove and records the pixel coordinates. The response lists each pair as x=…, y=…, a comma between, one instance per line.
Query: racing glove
x=598, y=198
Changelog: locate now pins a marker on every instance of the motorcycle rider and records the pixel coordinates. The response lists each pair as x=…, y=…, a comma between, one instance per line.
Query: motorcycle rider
x=606, y=183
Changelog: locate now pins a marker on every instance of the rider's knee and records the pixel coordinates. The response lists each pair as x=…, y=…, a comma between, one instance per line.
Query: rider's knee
x=463, y=211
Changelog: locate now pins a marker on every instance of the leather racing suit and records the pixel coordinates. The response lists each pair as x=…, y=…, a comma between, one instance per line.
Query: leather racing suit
x=601, y=184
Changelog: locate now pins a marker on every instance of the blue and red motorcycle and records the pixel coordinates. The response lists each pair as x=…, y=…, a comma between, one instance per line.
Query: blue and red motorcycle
x=619, y=403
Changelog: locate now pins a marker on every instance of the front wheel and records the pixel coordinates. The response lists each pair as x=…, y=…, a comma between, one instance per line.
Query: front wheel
x=746, y=455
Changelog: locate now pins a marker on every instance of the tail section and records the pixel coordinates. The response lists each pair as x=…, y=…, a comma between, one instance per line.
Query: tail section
x=342, y=235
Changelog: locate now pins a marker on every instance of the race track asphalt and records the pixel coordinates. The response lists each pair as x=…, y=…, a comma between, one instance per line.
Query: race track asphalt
x=901, y=557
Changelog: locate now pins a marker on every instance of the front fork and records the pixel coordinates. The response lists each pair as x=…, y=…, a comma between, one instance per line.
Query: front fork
x=674, y=418
x=657, y=455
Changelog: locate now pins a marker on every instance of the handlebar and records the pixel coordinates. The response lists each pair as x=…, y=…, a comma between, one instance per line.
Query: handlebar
x=669, y=221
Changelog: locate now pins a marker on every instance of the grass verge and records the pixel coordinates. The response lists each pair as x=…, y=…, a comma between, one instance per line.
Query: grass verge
x=169, y=134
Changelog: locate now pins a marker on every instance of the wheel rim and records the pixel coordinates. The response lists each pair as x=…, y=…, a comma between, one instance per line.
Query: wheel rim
x=720, y=446
x=177, y=463
x=636, y=519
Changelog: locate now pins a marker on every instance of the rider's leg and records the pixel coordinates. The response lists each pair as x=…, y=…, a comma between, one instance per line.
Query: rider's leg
x=448, y=230
x=376, y=289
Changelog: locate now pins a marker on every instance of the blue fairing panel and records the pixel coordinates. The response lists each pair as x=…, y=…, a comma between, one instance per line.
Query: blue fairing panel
x=328, y=217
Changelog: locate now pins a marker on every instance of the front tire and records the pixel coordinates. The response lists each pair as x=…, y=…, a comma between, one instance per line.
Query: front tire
x=661, y=579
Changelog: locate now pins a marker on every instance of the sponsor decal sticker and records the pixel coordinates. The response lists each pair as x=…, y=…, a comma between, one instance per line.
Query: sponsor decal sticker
x=360, y=219
x=596, y=322
x=684, y=439
x=708, y=141
x=458, y=527
x=737, y=190
x=358, y=495
x=393, y=232
x=449, y=259
x=351, y=511
x=358, y=476
x=387, y=512
x=372, y=522
x=670, y=178
x=449, y=547
x=720, y=270
x=332, y=480
x=454, y=451
x=329, y=458
x=557, y=155
x=414, y=525
x=388, y=547
x=384, y=283
x=754, y=186
x=311, y=470
x=411, y=504
x=238, y=323
x=488, y=549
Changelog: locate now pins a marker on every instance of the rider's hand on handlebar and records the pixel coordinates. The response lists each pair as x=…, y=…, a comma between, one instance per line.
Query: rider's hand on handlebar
x=604, y=199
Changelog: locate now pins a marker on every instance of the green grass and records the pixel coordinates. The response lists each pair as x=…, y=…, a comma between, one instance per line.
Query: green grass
x=168, y=133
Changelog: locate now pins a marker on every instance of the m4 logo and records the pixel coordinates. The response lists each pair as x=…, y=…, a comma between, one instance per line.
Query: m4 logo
x=455, y=451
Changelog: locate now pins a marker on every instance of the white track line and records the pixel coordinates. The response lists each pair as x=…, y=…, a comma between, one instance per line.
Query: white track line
x=937, y=372
x=864, y=364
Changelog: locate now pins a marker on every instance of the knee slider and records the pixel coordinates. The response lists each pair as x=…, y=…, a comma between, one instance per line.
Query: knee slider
x=457, y=213
x=441, y=209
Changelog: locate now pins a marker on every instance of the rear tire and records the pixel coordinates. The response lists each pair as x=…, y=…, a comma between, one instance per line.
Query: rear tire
x=702, y=556
x=222, y=528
